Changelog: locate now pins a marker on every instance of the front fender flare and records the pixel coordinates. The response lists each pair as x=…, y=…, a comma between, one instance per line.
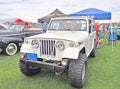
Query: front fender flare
x=26, y=48
x=71, y=53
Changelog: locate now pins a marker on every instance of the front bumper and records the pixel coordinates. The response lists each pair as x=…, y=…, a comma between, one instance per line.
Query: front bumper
x=41, y=64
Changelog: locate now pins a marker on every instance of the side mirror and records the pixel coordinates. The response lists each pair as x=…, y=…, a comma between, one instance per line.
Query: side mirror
x=45, y=28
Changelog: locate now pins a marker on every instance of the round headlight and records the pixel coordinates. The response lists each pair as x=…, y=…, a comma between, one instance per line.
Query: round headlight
x=59, y=45
x=35, y=43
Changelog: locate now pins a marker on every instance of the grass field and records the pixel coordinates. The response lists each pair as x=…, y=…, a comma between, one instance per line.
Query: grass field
x=103, y=73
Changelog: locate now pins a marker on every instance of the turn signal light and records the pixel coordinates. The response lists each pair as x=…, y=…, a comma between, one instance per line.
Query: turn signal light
x=64, y=62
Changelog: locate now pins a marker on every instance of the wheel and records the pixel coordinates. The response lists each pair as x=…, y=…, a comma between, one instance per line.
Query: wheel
x=28, y=70
x=93, y=52
x=11, y=49
x=77, y=71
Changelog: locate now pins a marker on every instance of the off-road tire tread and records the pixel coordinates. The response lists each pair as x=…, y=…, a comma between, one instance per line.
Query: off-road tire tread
x=27, y=71
x=75, y=71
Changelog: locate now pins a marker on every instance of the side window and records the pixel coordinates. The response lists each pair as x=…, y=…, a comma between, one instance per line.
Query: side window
x=93, y=26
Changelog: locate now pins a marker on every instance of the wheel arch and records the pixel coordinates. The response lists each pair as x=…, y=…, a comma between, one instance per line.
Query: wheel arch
x=11, y=42
x=73, y=53
x=82, y=50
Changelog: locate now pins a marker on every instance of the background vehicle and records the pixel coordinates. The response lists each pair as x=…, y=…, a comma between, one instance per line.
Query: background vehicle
x=12, y=38
x=116, y=30
x=66, y=46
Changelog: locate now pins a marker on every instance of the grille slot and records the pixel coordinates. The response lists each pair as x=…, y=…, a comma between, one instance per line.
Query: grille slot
x=47, y=47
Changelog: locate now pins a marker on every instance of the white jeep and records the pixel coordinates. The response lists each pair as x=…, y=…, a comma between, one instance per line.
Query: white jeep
x=66, y=45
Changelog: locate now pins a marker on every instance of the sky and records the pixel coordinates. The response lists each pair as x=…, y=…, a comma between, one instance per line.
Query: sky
x=31, y=10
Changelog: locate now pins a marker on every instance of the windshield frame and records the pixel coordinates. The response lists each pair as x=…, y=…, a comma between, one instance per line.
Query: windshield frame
x=73, y=23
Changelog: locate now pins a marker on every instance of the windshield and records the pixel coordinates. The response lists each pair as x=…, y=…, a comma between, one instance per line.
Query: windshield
x=16, y=27
x=76, y=24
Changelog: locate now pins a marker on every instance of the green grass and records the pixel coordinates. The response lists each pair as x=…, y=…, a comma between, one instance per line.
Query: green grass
x=103, y=73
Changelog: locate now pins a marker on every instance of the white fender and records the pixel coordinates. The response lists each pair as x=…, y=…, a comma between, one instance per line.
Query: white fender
x=71, y=53
x=26, y=48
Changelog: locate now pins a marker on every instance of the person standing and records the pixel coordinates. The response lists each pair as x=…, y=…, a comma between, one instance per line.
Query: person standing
x=98, y=28
x=101, y=36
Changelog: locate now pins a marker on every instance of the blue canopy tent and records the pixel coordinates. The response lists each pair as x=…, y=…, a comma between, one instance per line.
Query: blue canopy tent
x=96, y=13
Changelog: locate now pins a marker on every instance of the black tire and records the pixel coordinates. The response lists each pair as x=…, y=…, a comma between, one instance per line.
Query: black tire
x=77, y=71
x=28, y=70
x=11, y=49
x=93, y=52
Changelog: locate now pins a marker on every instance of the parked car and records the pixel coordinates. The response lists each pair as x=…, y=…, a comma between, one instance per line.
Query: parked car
x=66, y=46
x=116, y=30
x=12, y=38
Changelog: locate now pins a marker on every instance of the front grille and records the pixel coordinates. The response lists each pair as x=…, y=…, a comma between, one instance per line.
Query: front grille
x=47, y=47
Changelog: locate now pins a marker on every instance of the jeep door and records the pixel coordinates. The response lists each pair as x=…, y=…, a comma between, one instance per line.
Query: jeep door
x=91, y=37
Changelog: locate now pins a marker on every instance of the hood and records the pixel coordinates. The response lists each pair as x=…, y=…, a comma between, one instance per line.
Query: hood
x=63, y=35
